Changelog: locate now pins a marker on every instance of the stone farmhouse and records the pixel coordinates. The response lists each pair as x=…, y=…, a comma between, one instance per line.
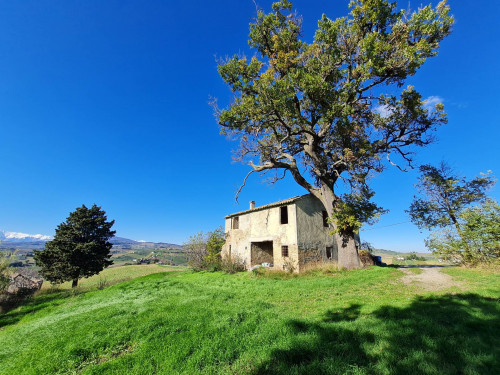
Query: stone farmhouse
x=292, y=234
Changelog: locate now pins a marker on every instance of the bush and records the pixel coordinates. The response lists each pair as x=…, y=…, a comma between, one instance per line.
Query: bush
x=196, y=251
x=232, y=264
x=414, y=256
x=479, y=240
x=203, y=251
x=366, y=258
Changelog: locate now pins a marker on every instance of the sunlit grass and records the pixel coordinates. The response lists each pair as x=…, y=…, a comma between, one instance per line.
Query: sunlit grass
x=358, y=322
x=113, y=275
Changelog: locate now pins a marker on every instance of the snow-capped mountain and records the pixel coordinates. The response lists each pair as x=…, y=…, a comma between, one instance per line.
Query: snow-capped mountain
x=22, y=237
x=17, y=240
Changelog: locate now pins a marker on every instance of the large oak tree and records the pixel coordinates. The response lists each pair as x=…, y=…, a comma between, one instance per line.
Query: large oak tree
x=333, y=112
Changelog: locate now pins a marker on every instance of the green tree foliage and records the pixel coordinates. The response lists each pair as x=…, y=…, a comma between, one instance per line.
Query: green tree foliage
x=80, y=247
x=414, y=256
x=482, y=229
x=445, y=196
x=479, y=241
x=204, y=253
x=215, y=241
x=204, y=250
x=445, y=202
x=4, y=271
x=329, y=112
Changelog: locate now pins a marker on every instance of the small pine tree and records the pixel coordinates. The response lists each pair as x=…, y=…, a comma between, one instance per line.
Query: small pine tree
x=80, y=247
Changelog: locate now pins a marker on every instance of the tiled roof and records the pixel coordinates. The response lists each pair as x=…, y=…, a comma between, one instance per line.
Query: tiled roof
x=270, y=205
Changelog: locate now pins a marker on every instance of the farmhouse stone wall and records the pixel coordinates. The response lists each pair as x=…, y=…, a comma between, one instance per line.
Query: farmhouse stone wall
x=304, y=235
x=261, y=226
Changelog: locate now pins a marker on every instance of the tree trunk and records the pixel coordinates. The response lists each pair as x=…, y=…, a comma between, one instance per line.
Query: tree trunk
x=348, y=257
x=467, y=251
x=348, y=252
x=75, y=283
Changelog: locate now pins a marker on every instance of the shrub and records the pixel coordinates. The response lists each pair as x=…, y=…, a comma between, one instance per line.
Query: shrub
x=196, y=251
x=366, y=258
x=232, y=264
x=414, y=256
x=203, y=250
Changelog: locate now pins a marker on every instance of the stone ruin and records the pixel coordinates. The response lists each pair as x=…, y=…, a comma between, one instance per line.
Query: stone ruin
x=24, y=283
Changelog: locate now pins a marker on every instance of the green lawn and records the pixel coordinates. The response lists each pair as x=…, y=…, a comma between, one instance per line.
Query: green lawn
x=112, y=276
x=358, y=322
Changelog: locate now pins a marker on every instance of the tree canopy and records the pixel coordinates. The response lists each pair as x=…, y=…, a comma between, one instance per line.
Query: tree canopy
x=330, y=111
x=444, y=195
x=80, y=247
x=445, y=202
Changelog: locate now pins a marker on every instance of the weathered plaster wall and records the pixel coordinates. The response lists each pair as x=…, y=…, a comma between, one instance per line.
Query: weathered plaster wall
x=261, y=226
x=312, y=236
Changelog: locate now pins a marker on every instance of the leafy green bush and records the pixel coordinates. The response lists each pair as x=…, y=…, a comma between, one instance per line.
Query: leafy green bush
x=414, y=256
x=204, y=253
x=479, y=241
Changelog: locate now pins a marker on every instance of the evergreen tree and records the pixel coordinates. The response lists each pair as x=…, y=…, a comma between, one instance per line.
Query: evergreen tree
x=80, y=247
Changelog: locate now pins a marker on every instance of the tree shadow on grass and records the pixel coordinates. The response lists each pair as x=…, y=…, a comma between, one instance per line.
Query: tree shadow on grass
x=450, y=334
x=14, y=311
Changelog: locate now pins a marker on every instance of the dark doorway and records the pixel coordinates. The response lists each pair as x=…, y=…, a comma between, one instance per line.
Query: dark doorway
x=331, y=253
x=262, y=252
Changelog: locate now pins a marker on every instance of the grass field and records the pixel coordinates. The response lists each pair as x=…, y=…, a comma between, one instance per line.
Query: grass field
x=177, y=256
x=358, y=322
x=112, y=276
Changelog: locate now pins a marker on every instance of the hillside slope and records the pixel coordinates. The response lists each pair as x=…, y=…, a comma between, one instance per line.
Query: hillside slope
x=358, y=322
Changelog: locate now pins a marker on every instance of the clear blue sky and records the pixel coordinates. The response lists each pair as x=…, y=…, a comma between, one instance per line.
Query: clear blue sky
x=106, y=102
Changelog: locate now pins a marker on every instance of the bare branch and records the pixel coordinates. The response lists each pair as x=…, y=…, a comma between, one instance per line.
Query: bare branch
x=242, y=185
x=394, y=164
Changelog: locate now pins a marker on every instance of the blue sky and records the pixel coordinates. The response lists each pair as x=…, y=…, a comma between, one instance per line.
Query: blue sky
x=107, y=103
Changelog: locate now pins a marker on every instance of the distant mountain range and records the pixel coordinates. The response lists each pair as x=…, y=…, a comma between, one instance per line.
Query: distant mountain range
x=23, y=237
x=17, y=240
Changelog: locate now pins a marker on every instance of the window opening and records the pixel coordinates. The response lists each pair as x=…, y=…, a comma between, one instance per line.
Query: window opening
x=236, y=222
x=284, y=215
x=284, y=251
x=325, y=219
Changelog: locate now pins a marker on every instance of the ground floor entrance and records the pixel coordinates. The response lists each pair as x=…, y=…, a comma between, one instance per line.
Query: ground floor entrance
x=261, y=252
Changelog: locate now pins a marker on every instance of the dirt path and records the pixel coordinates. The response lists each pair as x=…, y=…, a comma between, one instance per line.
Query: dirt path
x=430, y=279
